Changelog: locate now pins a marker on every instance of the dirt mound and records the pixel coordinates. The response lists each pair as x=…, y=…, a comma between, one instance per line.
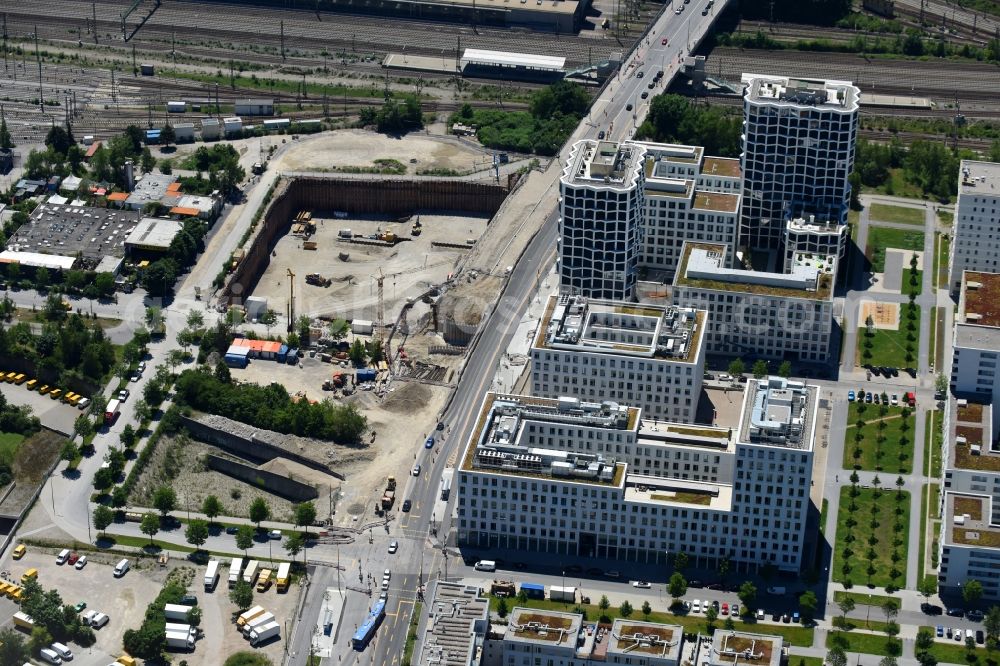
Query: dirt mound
x=408, y=398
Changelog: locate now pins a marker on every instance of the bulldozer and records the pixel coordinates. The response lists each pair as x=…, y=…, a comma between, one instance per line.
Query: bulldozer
x=318, y=280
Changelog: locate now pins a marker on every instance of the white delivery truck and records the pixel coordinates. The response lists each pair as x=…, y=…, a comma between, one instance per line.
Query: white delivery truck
x=211, y=575
x=180, y=640
x=178, y=626
x=176, y=612
x=258, y=621
x=250, y=573
x=235, y=568
x=249, y=615
x=264, y=633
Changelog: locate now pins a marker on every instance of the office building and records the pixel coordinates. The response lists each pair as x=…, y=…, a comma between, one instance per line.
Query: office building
x=457, y=626
x=641, y=355
x=755, y=313
x=976, y=245
x=976, y=339
x=601, y=202
x=589, y=479
x=535, y=636
x=969, y=540
x=798, y=151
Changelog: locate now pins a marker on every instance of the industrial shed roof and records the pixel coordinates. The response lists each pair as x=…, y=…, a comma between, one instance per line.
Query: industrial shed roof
x=505, y=59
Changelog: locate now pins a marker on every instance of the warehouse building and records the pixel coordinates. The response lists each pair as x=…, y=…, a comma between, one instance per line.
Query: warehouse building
x=38, y=260
x=254, y=107
x=73, y=229
x=589, y=479
x=149, y=188
x=642, y=355
x=152, y=234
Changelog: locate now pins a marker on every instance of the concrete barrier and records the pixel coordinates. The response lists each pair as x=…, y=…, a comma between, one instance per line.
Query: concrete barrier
x=282, y=486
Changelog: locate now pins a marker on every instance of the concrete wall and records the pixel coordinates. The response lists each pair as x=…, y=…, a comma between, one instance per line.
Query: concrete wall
x=296, y=491
x=255, y=450
x=355, y=197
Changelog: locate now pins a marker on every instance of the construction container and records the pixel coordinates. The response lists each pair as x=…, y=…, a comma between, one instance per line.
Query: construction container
x=184, y=132
x=146, y=69
x=293, y=356
x=366, y=375
x=282, y=354
x=176, y=107
x=237, y=357
x=211, y=129
x=232, y=125
x=276, y=124
x=362, y=327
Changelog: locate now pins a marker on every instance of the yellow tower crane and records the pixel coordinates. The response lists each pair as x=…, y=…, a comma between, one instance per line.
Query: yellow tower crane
x=291, y=300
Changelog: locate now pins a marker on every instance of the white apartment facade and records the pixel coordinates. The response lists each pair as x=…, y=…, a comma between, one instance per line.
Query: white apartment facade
x=754, y=313
x=568, y=477
x=600, y=206
x=645, y=356
x=976, y=242
x=798, y=144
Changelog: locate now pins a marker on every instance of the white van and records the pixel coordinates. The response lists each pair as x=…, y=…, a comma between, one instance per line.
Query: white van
x=49, y=656
x=486, y=565
x=62, y=556
x=62, y=651
x=99, y=620
x=122, y=568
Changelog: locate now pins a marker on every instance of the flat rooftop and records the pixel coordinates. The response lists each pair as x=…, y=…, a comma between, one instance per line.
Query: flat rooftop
x=516, y=60
x=703, y=266
x=575, y=323
x=669, y=491
x=456, y=614
x=663, y=154
x=604, y=164
x=153, y=233
x=779, y=412
x=721, y=166
x=979, y=302
x=68, y=230
x=969, y=521
x=150, y=188
x=738, y=647
x=717, y=202
x=972, y=436
x=979, y=178
x=531, y=625
x=802, y=92
x=500, y=442
x=630, y=637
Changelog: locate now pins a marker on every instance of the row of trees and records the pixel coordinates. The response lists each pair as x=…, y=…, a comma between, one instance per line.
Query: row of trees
x=70, y=348
x=269, y=407
x=928, y=165
x=761, y=368
x=864, y=541
x=395, y=116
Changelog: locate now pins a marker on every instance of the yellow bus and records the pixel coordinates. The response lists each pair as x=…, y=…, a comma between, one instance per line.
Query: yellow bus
x=32, y=383
x=44, y=389
x=55, y=394
x=20, y=378
x=9, y=377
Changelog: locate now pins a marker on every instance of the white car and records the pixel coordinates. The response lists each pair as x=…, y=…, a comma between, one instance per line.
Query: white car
x=387, y=574
x=696, y=606
x=760, y=614
x=393, y=547
x=416, y=470
x=82, y=562
x=385, y=583
x=641, y=584
x=958, y=635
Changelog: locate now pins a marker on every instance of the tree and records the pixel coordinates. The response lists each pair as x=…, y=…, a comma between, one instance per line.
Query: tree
x=991, y=623
x=69, y=451
x=646, y=609
x=83, y=426
x=760, y=369
x=127, y=436
x=356, y=353
x=625, y=610
x=164, y=500
x=677, y=586
x=836, y=656
x=604, y=604
x=40, y=638
x=196, y=533
x=926, y=658
x=711, y=615
x=58, y=139
x=846, y=605
x=147, y=161
x=748, y=594
x=925, y=639
x=244, y=538
x=808, y=604
x=259, y=511
x=294, y=544
x=195, y=320
x=502, y=608
x=241, y=595
x=972, y=591
x=167, y=135
x=222, y=372
x=941, y=383
x=305, y=515
x=785, y=369
x=150, y=525
x=103, y=517
x=890, y=609
x=737, y=367
x=269, y=318
x=888, y=661
x=12, y=647
x=680, y=561
x=5, y=140
x=211, y=507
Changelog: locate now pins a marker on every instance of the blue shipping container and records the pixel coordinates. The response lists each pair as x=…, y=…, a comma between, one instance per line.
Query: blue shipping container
x=533, y=590
x=366, y=375
x=282, y=354
x=234, y=361
x=293, y=356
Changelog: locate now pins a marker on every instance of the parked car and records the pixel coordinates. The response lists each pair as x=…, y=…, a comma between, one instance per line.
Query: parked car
x=643, y=584
x=786, y=618
x=956, y=612
x=82, y=562
x=393, y=547
x=958, y=635
x=735, y=610
x=696, y=583
x=980, y=637
x=939, y=631
x=232, y=529
x=612, y=574
x=429, y=444
x=416, y=470
x=123, y=395
x=895, y=399
x=406, y=505
x=725, y=609
x=796, y=618
x=73, y=557
x=761, y=614
x=975, y=615
x=274, y=535
x=948, y=632
x=696, y=606
x=850, y=396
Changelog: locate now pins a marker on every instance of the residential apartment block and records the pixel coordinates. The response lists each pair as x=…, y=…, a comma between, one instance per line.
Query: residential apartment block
x=969, y=541
x=976, y=245
x=645, y=356
x=798, y=151
x=755, y=313
x=598, y=479
x=600, y=206
x=976, y=339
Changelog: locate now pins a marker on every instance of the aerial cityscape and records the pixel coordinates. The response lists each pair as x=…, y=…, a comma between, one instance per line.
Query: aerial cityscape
x=649, y=332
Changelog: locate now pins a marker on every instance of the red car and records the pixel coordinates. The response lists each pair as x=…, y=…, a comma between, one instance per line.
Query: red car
x=663, y=41
x=725, y=609
x=73, y=557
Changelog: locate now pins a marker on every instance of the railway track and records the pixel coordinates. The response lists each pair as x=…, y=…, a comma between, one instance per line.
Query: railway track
x=951, y=16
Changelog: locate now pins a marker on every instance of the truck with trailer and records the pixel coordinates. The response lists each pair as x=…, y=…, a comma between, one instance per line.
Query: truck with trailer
x=211, y=575
x=259, y=621
x=533, y=590
x=249, y=615
x=284, y=576
x=446, y=483
x=388, y=499
x=176, y=612
x=264, y=633
x=250, y=573
x=235, y=568
x=557, y=593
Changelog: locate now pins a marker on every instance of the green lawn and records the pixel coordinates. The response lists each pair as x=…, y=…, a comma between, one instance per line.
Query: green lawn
x=955, y=653
x=880, y=238
x=890, y=347
x=946, y=217
x=411, y=634
x=923, y=531
x=891, y=454
x=862, y=599
x=859, y=536
x=823, y=514
x=935, y=445
x=796, y=660
x=9, y=442
x=897, y=214
x=941, y=260
x=795, y=634
x=914, y=284
x=865, y=643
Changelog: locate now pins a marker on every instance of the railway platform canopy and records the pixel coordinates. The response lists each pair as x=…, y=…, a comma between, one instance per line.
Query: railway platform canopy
x=523, y=66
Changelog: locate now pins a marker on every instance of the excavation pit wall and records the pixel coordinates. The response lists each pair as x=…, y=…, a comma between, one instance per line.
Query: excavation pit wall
x=395, y=198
